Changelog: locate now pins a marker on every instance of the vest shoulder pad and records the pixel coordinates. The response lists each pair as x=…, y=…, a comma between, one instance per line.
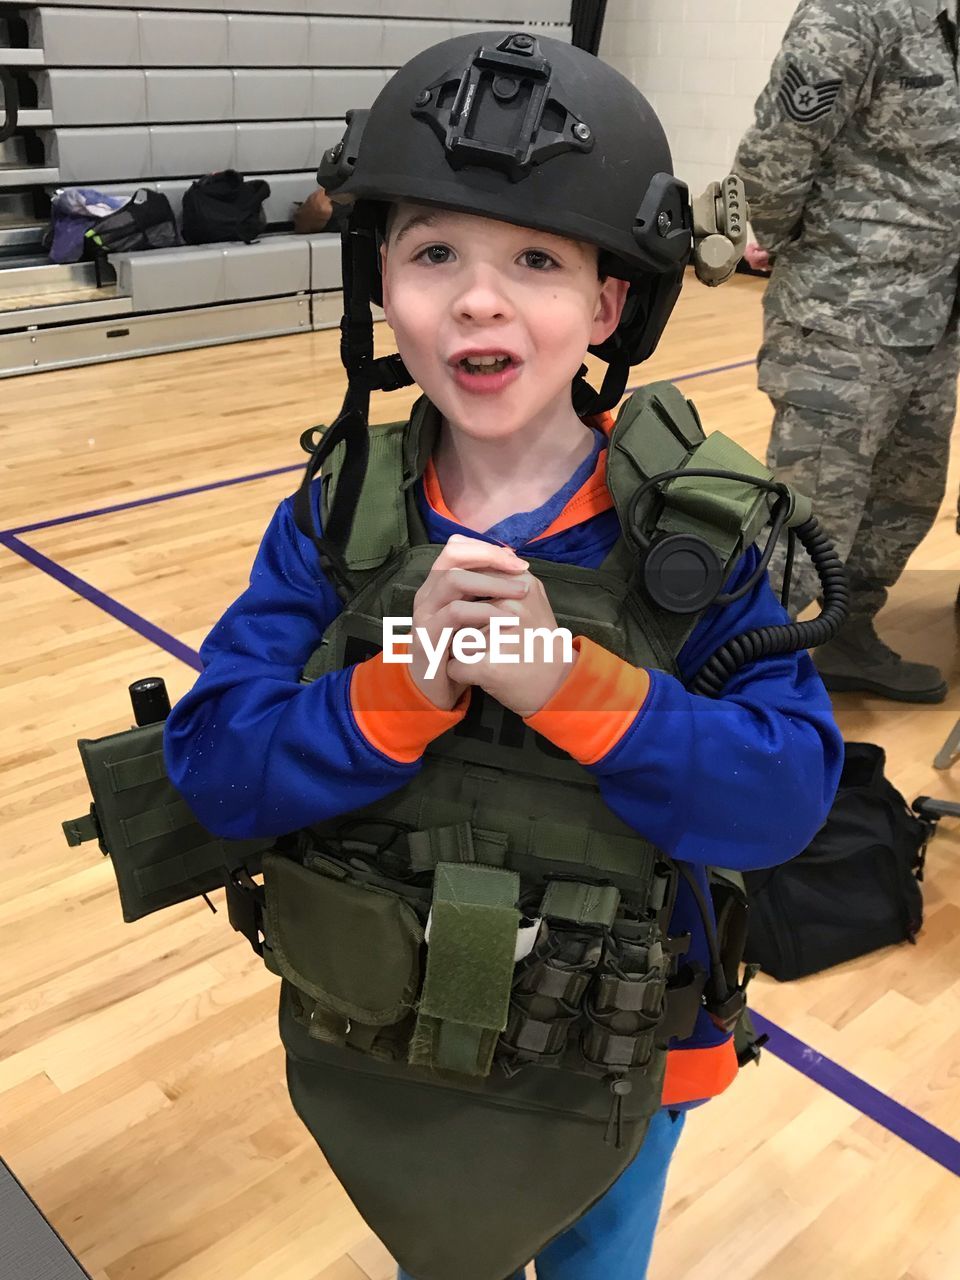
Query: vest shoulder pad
x=659, y=430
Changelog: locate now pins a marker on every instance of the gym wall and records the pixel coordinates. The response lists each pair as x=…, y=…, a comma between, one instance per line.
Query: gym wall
x=702, y=66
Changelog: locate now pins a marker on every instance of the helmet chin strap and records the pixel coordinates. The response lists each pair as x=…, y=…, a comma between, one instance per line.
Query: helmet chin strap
x=588, y=401
x=351, y=426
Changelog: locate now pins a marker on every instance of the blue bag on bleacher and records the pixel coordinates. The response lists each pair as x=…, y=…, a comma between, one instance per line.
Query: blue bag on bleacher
x=73, y=211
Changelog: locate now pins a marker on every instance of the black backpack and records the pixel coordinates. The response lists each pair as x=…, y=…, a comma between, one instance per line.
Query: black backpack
x=223, y=206
x=146, y=221
x=854, y=889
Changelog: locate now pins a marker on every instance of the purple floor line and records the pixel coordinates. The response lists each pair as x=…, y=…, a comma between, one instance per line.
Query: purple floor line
x=89, y=592
x=863, y=1097
x=147, y=502
x=879, y=1107
x=702, y=373
x=262, y=475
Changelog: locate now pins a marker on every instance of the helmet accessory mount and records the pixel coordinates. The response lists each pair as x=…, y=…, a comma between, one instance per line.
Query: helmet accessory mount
x=499, y=111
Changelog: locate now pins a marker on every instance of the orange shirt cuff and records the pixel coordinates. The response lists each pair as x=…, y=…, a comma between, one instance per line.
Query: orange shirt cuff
x=595, y=705
x=392, y=713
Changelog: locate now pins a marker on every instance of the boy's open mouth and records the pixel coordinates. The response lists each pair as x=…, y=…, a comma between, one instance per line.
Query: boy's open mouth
x=484, y=371
x=485, y=364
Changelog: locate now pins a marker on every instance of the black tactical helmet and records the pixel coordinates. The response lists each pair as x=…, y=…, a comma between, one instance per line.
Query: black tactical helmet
x=533, y=131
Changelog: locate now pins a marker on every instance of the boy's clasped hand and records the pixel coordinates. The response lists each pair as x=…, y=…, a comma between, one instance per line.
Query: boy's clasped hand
x=470, y=583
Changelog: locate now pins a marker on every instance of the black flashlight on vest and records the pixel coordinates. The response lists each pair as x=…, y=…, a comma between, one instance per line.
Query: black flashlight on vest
x=150, y=700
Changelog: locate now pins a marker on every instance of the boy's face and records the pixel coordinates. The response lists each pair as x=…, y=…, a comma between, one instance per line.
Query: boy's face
x=461, y=290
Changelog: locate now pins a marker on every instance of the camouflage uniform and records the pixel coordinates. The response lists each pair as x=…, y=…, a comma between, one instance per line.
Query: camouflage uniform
x=852, y=170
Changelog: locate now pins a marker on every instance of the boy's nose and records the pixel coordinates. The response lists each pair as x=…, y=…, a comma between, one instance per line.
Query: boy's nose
x=481, y=299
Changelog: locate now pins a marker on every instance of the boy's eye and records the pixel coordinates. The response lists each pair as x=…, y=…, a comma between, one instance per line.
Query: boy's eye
x=433, y=253
x=538, y=259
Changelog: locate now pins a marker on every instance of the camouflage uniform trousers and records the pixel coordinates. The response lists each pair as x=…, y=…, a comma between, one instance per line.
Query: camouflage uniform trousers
x=864, y=431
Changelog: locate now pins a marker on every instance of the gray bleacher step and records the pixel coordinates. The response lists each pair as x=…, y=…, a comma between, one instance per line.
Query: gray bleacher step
x=61, y=346
x=13, y=175
x=84, y=306
x=36, y=293
x=24, y=256
x=19, y=235
x=199, y=275
x=33, y=119
x=36, y=278
x=22, y=57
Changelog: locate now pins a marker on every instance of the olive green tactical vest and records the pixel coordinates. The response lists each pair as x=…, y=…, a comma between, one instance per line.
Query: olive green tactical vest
x=451, y=1075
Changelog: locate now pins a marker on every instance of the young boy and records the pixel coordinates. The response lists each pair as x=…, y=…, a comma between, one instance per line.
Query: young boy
x=498, y=893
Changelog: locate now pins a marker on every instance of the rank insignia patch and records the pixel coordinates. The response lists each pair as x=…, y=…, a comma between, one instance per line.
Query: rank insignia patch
x=805, y=102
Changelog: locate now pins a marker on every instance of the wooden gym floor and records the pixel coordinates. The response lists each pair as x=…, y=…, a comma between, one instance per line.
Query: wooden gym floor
x=142, y=1100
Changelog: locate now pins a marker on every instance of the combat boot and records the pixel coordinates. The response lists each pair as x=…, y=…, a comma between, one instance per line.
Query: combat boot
x=858, y=661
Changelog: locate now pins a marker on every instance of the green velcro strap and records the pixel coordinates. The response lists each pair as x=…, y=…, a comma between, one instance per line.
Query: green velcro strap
x=135, y=772
x=380, y=519
x=600, y=851
x=458, y=842
x=594, y=904
x=558, y=984
x=453, y=843
x=617, y=1052
x=78, y=830
x=530, y=1035
x=617, y=995
x=465, y=1000
x=182, y=868
x=153, y=823
x=490, y=847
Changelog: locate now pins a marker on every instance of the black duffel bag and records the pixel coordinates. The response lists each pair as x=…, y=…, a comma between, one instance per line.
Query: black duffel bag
x=224, y=206
x=854, y=889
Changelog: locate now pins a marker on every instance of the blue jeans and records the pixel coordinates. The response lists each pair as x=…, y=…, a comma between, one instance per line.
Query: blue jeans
x=614, y=1239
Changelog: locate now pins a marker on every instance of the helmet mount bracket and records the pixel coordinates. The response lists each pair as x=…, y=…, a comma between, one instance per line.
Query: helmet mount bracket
x=464, y=108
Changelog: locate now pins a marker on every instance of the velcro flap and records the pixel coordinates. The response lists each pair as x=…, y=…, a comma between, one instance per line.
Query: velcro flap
x=472, y=941
x=470, y=968
x=354, y=949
